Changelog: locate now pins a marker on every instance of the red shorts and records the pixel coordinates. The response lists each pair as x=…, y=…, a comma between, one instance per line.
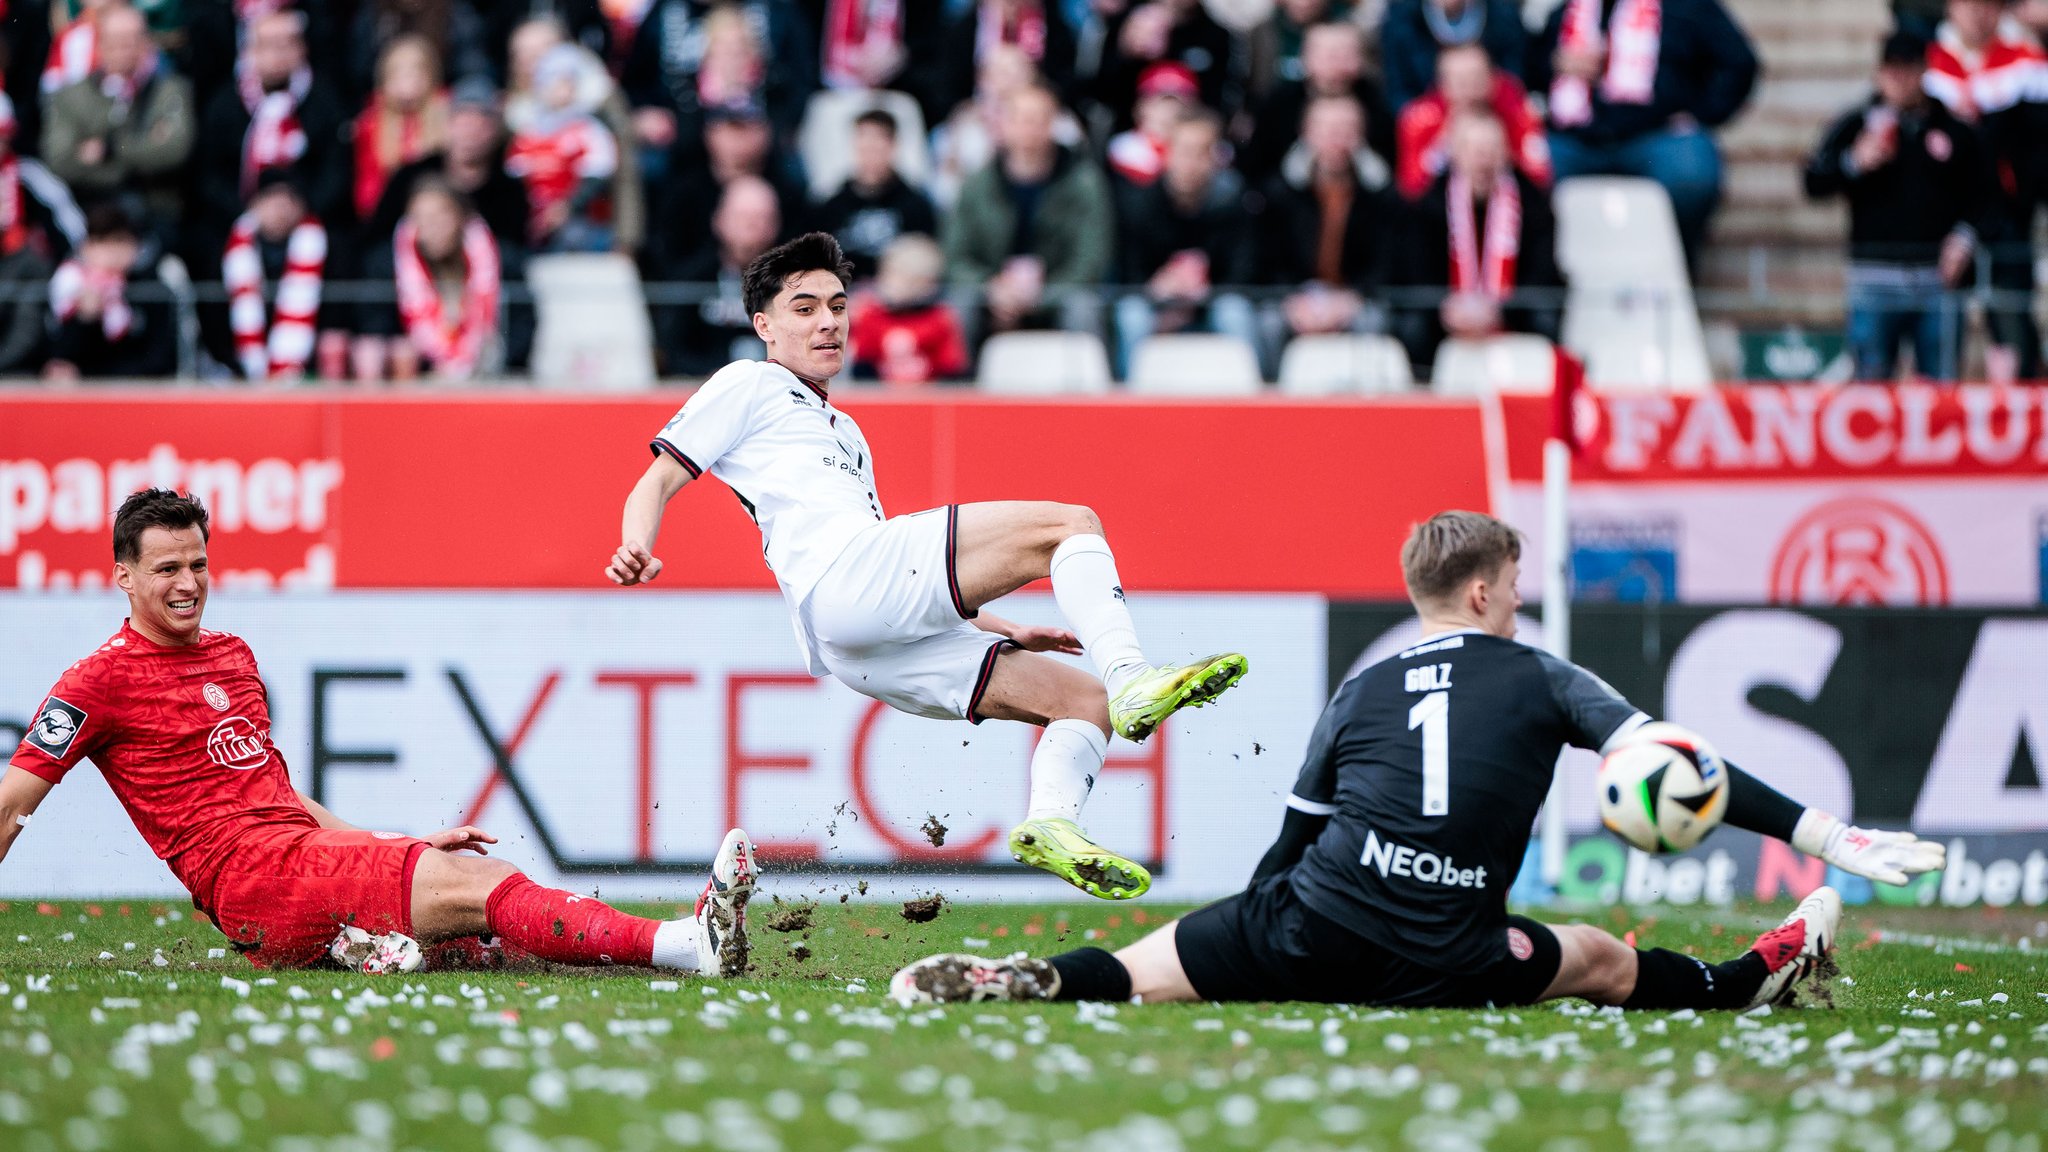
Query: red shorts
x=282, y=899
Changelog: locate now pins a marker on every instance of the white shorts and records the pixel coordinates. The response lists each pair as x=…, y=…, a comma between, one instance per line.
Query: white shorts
x=888, y=622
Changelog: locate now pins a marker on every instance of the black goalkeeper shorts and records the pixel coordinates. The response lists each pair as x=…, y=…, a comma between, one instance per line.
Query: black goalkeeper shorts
x=1264, y=944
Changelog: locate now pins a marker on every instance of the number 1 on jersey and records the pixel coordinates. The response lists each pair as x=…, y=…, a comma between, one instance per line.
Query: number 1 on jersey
x=1432, y=714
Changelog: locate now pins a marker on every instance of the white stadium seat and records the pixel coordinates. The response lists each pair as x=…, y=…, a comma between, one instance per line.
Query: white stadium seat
x=1043, y=364
x=1511, y=362
x=1344, y=365
x=1630, y=311
x=1637, y=340
x=825, y=139
x=1618, y=229
x=593, y=334
x=1195, y=364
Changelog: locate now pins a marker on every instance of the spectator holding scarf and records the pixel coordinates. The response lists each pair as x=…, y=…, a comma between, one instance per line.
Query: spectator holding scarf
x=447, y=274
x=1483, y=233
x=275, y=261
x=276, y=115
x=98, y=331
x=1635, y=86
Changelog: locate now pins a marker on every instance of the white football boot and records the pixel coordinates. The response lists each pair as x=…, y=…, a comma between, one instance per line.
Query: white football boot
x=1793, y=948
x=721, y=915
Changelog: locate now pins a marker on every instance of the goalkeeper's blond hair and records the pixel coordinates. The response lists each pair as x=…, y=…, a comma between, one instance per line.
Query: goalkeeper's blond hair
x=1450, y=549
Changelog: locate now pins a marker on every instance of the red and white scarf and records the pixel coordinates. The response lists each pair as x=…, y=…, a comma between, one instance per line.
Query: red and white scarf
x=2010, y=70
x=1027, y=30
x=854, y=28
x=1487, y=267
x=274, y=139
x=13, y=221
x=453, y=345
x=73, y=54
x=282, y=353
x=117, y=319
x=1634, y=37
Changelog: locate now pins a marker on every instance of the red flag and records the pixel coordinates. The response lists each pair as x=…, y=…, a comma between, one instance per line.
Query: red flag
x=1569, y=377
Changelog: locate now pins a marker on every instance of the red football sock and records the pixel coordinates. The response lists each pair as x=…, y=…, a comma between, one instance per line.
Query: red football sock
x=566, y=929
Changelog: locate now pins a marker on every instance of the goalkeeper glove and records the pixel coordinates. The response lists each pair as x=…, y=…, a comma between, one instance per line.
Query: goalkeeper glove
x=1887, y=856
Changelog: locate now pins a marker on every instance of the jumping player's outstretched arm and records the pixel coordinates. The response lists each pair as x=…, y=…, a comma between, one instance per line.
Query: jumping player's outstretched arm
x=635, y=562
x=21, y=792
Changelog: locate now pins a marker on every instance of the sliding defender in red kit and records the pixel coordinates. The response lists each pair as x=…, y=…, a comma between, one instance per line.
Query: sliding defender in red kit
x=175, y=717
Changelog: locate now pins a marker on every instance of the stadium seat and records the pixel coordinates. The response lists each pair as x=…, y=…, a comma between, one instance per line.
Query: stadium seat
x=1043, y=364
x=1344, y=365
x=1618, y=230
x=1630, y=311
x=825, y=139
x=1637, y=339
x=1195, y=364
x=594, y=335
x=1513, y=362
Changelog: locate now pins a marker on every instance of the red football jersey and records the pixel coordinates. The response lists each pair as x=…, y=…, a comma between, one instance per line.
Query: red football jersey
x=182, y=736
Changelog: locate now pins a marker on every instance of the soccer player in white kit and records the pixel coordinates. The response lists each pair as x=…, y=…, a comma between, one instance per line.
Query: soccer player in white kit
x=892, y=607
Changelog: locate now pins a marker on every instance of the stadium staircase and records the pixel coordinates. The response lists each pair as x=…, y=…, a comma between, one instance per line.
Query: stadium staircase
x=1817, y=60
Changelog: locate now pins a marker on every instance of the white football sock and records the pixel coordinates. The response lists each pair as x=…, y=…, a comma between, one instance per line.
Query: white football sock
x=675, y=946
x=1091, y=597
x=1064, y=767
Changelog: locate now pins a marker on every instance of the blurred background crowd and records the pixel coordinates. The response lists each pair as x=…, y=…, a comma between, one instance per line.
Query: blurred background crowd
x=377, y=190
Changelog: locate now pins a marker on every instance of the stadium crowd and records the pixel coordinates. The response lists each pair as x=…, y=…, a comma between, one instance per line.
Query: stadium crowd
x=355, y=189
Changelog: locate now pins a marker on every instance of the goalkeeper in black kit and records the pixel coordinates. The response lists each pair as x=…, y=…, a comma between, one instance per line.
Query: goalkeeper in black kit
x=1388, y=884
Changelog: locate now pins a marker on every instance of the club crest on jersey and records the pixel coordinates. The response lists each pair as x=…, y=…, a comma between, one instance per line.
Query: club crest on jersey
x=56, y=727
x=235, y=743
x=216, y=696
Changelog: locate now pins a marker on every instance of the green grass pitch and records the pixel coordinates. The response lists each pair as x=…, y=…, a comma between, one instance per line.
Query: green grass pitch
x=119, y=1030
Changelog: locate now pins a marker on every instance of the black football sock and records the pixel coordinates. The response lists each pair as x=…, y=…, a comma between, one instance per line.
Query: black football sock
x=1667, y=979
x=1091, y=974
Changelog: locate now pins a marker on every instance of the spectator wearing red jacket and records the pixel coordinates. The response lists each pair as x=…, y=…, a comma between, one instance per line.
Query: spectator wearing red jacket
x=903, y=333
x=1988, y=70
x=567, y=158
x=406, y=118
x=1466, y=81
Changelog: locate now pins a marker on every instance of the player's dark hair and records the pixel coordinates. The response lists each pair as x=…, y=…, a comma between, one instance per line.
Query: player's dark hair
x=1448, y=550
x=877, y=118
x=154, y=508
x=810, y=252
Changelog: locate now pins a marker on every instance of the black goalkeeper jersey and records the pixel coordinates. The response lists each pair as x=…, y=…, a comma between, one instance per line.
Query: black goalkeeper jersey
x=1431, y=765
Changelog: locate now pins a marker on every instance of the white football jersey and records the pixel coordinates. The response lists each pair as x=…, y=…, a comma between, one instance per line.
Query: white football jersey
x=801, y=466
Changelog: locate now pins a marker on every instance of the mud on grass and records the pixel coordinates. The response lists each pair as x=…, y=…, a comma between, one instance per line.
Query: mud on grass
x=119, y=1053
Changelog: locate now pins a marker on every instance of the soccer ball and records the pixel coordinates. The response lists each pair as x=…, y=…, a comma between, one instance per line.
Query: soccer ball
x=1664, y=789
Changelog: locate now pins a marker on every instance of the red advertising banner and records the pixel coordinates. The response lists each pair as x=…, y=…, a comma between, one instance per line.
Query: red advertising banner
x=524, y=490
x=1907, y=495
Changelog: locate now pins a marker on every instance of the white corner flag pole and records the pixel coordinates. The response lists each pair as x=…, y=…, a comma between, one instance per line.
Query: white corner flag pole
x=1557, y=593
x=1557, y=623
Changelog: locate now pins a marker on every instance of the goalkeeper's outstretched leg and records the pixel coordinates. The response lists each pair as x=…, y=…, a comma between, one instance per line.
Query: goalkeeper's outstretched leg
x=1207, y=958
